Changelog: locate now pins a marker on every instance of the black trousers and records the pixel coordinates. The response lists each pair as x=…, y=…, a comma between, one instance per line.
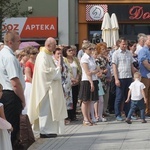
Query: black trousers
x=72, y=113
x=12, y=109
x=112, y=95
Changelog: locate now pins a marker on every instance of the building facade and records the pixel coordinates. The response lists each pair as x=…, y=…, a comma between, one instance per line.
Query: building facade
x=71, y=21
x=133, y=17
x=56, y=18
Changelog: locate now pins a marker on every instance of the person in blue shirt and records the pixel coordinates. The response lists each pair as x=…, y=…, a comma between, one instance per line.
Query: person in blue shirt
x=144, y=67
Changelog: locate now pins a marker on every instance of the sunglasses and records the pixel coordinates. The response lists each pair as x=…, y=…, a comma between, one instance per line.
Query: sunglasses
x=90, y=49
x=34, y=53
x=70, y=50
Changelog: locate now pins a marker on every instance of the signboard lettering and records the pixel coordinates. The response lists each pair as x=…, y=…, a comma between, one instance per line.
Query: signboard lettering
x=40, y=27
x=10, y=27
x=131, y=12
x=32, y=27
x=137, y=12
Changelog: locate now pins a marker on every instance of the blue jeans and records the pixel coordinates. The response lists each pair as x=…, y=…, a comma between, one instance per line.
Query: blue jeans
x=134, y=105
x=121, y=96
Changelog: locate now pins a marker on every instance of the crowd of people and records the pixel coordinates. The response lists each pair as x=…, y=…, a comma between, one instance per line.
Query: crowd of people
x=47, y=83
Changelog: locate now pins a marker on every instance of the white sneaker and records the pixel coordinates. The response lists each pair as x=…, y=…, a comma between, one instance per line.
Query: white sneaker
x=103, y=120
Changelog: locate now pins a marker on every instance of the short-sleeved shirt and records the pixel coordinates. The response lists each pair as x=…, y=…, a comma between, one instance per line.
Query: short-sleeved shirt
x=9, y=68
x=89, y=60
x=138, y=48
x=31, y=66
x=144, y=54
x=123, y=61
x=136, y=88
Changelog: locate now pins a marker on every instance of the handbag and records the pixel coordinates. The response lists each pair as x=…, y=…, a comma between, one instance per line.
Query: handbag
x=26, y=136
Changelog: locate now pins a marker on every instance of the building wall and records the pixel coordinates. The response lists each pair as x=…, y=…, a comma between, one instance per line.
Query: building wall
x=67, y=31
x=41, y=8
x=114, y=1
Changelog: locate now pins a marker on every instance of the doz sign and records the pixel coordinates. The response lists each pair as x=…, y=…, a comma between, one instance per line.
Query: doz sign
x=6, y=27
x=32, y=27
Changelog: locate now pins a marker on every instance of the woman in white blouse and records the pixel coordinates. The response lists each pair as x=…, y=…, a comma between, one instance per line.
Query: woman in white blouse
x=89, y=83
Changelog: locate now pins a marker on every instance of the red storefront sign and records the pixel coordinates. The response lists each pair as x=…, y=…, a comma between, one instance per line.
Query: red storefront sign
x=32, y=27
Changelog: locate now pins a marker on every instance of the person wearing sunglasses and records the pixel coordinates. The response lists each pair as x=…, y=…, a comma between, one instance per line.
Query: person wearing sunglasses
x=89, y=84
x=75, y=74
x=29, y=67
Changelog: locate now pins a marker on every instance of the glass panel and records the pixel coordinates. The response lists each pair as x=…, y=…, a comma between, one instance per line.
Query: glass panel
x=93, y=28
x=130, y=31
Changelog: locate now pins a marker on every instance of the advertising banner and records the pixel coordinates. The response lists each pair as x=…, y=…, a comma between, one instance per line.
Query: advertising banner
x=32, y=27
x=131, y=12
x=124, y=12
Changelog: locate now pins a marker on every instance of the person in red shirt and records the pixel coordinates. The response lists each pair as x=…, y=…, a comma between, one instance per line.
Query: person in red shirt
x=29, y=68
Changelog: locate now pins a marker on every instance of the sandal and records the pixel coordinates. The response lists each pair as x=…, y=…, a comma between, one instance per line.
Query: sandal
x=97, y=118
x=87, y=123
x=67, y=121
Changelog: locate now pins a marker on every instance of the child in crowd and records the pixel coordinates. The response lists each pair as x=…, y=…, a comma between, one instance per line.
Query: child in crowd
x=5, y=142
x=136, y=91
x=98, y=105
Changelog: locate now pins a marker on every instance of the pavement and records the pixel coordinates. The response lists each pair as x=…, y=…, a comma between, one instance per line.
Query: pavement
x=110, y=135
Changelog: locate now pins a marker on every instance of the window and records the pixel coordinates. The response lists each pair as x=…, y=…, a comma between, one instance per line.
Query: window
x=130, y=31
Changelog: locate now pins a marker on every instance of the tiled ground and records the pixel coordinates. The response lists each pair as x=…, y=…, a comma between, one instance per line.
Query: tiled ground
x=111, y=135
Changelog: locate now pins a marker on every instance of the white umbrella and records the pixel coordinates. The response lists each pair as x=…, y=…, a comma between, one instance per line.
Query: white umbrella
x=106, y=29
x=114, y=29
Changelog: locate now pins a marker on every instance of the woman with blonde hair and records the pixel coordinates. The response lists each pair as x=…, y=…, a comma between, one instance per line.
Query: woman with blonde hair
x=89, y=84
x=29, y=69
x=22, y=56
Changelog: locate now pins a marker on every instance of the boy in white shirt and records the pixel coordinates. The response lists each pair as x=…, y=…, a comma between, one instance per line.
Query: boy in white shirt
x=138, y=98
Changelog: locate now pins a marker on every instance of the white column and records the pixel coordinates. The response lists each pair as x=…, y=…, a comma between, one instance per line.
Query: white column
x=63, y=21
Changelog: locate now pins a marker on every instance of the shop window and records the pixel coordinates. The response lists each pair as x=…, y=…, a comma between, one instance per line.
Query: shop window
x=130, y=31
x=92, y=29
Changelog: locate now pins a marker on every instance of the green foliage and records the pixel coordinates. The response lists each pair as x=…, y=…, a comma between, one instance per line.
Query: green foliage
x=10, y=9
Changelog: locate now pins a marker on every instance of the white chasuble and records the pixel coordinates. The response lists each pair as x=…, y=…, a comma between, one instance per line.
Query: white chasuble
x=47, y=81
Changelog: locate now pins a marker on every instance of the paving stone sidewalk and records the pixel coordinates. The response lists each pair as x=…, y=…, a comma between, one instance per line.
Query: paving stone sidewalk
x=111, y=135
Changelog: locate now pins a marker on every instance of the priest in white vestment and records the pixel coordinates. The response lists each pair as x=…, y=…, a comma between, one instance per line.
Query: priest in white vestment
x=47, y=106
